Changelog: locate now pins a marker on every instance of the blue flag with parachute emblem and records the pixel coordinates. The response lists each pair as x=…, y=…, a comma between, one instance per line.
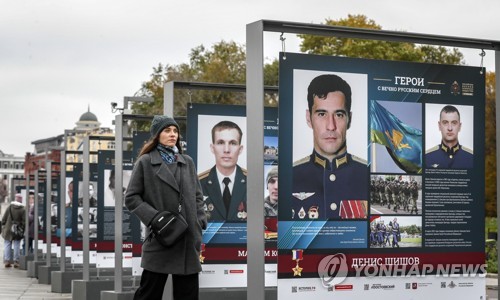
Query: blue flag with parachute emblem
x=403, y=142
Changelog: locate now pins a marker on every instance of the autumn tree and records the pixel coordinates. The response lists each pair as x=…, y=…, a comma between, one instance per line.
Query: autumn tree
x=224, y=62
x=490, y=147
x=374, y=49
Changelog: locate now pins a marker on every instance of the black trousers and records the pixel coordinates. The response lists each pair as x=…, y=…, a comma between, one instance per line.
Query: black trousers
x=186, y=287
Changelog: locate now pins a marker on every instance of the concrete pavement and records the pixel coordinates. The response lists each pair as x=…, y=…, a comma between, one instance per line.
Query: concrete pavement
x=14, y=283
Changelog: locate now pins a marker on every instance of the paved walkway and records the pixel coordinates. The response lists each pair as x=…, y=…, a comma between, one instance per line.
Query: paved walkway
x=14, y=284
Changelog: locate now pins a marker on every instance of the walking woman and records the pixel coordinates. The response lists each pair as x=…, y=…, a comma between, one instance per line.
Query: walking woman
x=163, y=178
x=15, y=213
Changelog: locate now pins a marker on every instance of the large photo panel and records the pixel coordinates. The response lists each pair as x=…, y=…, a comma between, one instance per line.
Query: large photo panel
x=216, y=140
x=362, y=188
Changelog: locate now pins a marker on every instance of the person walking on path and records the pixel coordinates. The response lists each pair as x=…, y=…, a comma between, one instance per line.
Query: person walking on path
x=14, y=213
x=31, y=222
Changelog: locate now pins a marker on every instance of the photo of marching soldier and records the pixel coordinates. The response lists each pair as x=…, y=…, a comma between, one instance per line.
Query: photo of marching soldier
x=396, y=194
x=395, y=232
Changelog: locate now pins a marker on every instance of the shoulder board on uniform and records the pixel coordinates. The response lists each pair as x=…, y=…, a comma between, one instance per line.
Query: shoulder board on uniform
x=203, y=174
x=302, y=161
x=245, y=171
x=359, y=159
x=432, y=149
x=468, y=150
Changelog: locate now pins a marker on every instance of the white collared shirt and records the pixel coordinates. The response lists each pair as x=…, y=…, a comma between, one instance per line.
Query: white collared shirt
x=220, y=178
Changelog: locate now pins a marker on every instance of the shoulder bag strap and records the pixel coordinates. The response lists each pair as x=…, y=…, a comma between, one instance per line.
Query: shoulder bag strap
x=181, y=198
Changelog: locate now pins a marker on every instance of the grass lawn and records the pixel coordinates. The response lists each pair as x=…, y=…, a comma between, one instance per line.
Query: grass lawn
x=412, y=240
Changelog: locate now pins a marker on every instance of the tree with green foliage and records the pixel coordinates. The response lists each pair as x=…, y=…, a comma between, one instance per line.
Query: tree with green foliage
x=374, y=49
x=411, y=229
x=490, y=153
x=224, y=62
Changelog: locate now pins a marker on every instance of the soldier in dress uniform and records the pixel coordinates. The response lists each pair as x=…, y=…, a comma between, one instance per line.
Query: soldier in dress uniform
x=449, y=154
x=381, y=233
x=388, y=234
x=414, y=197
x=226, y=147
x=395, y=194
x=381, y=192
x=407, y=196
x=373, y=235
x=331, y=182
x=374, y=192
x=388, y=193
x=395, y=233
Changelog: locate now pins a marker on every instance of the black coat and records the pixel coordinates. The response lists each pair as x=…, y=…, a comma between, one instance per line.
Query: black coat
x=18, y=215
x=153, y=187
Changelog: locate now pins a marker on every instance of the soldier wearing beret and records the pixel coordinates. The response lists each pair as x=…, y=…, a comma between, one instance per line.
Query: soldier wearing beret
x=449, y=154
x=224, y=185
x=330, y=183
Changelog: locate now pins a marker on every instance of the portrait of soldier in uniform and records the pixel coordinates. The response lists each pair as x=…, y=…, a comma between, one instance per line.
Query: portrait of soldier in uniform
x=271, y=201
x=92, y=194
x=330, y=183
x=449, y=154
x=225, y=184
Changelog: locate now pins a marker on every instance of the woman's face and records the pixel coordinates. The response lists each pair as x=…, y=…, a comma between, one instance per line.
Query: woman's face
x=169, y=136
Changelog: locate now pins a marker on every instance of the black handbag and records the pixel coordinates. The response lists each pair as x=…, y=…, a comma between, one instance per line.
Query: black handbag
x=167, y=227
x=170, y=227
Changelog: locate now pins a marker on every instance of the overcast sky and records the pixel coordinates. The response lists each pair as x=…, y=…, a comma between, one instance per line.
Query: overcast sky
x=59, y=57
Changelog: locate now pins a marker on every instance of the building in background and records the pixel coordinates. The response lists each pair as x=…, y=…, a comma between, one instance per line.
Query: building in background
x=11, y=168
x=50, y=148
x=88, y=125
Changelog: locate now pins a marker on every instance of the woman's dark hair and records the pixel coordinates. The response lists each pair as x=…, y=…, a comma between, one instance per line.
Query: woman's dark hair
x=150, y=145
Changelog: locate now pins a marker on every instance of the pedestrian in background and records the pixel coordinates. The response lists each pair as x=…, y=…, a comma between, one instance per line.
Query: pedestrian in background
x=14, y=213
x=31, y=222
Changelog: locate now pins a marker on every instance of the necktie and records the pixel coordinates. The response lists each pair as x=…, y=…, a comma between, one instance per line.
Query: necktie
x=226, y=195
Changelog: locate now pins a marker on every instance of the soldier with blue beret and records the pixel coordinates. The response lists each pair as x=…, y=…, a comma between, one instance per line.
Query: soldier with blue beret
x=449, y=154
x=330, y=183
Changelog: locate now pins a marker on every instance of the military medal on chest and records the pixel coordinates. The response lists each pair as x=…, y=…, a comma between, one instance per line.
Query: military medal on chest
x=297, y=255
x=242, y=214
x=202, y=258
x=302, y=213
x=313, y=212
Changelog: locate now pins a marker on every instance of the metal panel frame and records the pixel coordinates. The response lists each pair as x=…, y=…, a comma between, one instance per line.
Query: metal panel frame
x=85, y=213
x=48, y=220
x=255, y=86
x=170, y=86
x=168, y=109
x=119, y=139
